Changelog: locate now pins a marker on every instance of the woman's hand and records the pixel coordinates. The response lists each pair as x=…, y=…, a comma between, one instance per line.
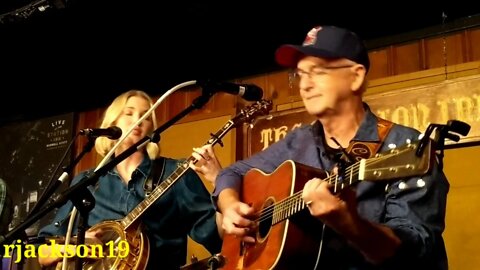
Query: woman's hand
x=207, y=163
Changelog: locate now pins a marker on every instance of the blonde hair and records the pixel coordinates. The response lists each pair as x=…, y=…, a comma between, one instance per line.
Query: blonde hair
x=103, y=145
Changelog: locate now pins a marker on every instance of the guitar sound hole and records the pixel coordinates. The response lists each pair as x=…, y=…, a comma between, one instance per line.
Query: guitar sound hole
x=266, y=218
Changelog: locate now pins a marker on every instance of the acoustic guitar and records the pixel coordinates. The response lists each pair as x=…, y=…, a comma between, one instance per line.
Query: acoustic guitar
x=288, y=237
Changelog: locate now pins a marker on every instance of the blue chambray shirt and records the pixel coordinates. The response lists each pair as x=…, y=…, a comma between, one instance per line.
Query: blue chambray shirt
x=185, y=209
x=416, y=214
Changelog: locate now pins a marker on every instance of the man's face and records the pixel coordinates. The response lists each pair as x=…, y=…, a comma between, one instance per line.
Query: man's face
x=324, y=83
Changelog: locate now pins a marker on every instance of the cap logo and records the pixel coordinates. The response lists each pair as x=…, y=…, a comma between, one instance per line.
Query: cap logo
x=311, y=36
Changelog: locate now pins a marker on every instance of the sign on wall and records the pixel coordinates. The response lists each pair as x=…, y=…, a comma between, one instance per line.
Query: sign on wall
x=415, y=107
x=31, y=151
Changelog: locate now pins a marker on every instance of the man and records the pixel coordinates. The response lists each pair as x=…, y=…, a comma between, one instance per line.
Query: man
x=381, y=225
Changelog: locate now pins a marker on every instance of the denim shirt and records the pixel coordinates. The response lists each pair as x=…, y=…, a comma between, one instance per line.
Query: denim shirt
x=416, y=213
x=184, y=209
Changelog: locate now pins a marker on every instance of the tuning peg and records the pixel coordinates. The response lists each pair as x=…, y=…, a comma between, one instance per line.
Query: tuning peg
x=458, y=127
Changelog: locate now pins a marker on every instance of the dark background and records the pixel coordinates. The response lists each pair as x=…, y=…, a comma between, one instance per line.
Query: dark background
x=82, y=55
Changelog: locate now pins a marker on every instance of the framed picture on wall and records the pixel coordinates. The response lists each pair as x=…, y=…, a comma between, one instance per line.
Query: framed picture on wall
x=31, y=153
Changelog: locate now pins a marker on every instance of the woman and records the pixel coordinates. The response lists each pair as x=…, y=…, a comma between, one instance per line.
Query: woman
x=184, y=209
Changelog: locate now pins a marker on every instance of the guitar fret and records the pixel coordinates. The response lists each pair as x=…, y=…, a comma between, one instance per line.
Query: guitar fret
x=281, y=212
x=351, y=175
x=275, y=215
x=336, y=183
x=286, y=213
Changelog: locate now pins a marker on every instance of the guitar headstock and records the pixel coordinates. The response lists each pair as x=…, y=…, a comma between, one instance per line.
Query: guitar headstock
x=249, y=113
x=397, y=163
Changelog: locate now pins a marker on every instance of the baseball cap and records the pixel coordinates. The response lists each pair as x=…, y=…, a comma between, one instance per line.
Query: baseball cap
x=328, y=42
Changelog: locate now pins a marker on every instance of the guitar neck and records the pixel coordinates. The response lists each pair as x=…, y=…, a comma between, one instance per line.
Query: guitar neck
x=292, y=205
x=392, y=164
x=165, y=185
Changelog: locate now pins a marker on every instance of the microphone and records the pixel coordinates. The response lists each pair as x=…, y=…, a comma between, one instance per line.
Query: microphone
x=112, y=132
x=249, y=92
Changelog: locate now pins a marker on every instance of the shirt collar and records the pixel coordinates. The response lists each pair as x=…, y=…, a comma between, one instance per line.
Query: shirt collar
x=367, y=132
x=143, y=168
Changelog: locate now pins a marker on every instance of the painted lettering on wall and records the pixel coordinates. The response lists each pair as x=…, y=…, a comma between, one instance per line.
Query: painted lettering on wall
x=415, y=107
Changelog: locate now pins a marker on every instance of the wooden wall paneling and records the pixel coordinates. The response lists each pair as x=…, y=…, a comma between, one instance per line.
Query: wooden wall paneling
x=176, y=102
x=462, y=232
x=190, y=96
x=450, y=48
x=281, y=86
x=259, y=80
x=457, y=48
x=423, y=54
x=434, y=53
x=407, y=58
x=161, y=111
x=220, y=103
x=473, y=41
x=88, y=119
x=281, y=89
x=223, y=103
x=379, y=64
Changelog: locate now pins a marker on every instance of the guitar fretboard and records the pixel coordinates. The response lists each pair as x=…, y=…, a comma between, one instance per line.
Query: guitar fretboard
x=395, y=163
x=292, y=205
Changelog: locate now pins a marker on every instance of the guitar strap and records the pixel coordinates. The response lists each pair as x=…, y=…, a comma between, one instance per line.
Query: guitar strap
x=356, y=150
x=359, y=150
x=158, y=168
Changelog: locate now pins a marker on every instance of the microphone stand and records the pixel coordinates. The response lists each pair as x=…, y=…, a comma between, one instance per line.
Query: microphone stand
x=79, y=193
x=442, y=132
x=47, y=194
x=50, y=189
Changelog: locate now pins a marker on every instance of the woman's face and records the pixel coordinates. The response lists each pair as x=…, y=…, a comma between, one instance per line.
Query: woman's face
x=134, y=109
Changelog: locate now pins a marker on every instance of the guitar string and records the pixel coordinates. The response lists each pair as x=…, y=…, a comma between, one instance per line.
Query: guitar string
x=284, y=207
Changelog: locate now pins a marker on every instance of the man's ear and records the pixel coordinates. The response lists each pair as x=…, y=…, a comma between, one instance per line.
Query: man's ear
x=359, y=73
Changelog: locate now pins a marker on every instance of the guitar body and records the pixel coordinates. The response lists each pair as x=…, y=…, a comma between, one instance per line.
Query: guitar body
x=115, y=238
x=289, y=244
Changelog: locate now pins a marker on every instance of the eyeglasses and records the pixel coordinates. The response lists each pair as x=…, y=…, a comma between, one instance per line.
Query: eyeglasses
x=314, y=72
